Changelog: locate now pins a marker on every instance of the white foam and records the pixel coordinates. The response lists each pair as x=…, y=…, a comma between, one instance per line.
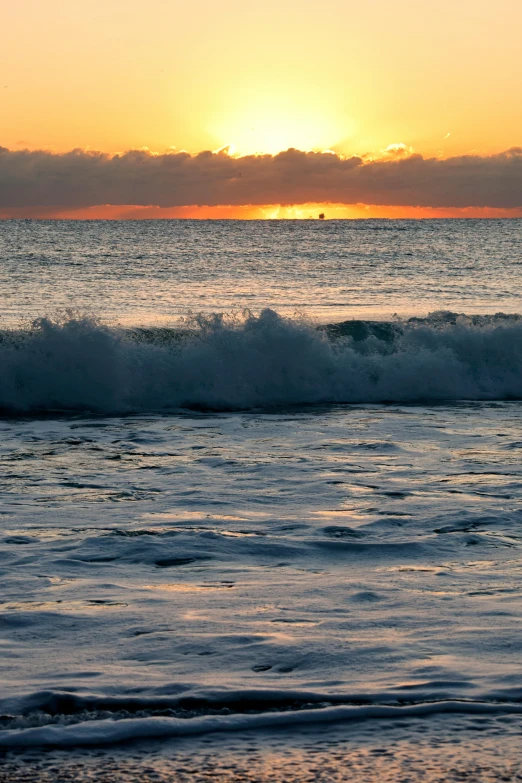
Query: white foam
x=108, y=732
x=256, y=361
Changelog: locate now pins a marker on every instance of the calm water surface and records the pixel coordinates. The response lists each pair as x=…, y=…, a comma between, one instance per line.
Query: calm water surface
x=141, y=272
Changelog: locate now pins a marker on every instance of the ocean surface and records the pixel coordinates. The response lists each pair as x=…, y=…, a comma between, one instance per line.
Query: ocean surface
x=260, y=500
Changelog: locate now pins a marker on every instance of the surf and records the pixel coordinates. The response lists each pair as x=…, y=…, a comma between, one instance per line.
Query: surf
x=247, y=361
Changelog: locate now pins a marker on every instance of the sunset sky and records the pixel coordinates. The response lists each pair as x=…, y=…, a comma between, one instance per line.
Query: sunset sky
x=377, y=81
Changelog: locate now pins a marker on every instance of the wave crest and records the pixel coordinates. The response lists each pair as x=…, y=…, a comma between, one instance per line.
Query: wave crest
x=233, y=363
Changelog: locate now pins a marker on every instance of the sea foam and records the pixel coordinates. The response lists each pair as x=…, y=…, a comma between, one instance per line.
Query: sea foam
x=233, y=363
x=107, y=732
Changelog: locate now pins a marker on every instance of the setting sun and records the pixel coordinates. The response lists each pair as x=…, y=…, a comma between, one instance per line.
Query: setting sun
x=264, y=121
x=385, y=83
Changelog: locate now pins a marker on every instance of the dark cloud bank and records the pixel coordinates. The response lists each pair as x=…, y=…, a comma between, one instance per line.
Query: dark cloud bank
x=84, y=178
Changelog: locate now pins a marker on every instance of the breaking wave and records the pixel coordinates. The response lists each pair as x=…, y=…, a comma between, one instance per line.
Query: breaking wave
x=239, y=362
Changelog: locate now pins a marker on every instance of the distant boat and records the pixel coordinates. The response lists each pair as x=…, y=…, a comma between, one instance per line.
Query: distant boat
x=322, y=216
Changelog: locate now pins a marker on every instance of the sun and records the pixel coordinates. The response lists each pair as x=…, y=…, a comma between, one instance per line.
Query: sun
x=268, y=123
x=273, y=132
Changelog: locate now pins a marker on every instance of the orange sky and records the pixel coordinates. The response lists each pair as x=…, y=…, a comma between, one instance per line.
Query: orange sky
x=442, y=77
x=265, y=212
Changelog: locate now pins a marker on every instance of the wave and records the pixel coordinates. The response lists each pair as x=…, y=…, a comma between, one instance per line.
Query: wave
x=62, y=719
x=256, y=361
x=118, y=729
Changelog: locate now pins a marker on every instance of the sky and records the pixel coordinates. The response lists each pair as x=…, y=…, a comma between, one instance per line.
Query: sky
x=382, y=82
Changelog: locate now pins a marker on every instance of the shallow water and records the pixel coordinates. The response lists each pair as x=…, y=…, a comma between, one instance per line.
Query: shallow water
x=199, y=542
x=222, y=571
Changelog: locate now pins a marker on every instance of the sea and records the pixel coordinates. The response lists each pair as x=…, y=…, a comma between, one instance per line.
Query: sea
x=260, y=500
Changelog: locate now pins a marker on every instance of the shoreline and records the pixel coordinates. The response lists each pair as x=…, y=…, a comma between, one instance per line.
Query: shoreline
x=431, y=750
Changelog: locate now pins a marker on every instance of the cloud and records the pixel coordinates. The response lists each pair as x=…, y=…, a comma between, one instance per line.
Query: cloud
x=398, y=150
x=83, y=178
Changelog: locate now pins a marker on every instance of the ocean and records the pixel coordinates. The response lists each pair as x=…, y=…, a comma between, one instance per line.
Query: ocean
x=260, y=500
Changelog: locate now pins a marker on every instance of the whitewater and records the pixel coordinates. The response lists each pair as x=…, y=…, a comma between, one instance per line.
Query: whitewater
x=260, y=500
x=257, y=361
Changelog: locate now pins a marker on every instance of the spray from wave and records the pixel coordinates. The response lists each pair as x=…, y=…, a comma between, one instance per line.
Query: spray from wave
x=231, y=363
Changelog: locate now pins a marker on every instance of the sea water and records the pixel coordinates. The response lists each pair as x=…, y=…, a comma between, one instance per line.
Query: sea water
x=262, y=477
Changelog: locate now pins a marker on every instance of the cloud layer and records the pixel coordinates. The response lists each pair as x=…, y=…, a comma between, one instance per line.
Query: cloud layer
x=83, y=178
